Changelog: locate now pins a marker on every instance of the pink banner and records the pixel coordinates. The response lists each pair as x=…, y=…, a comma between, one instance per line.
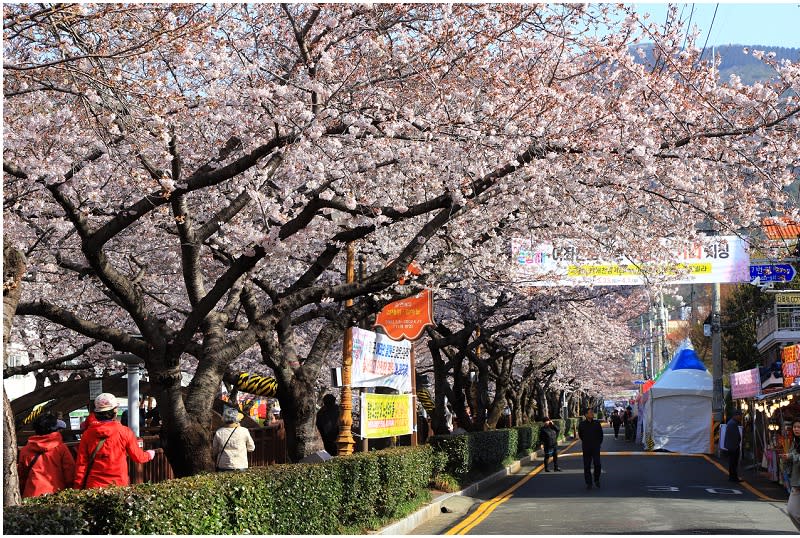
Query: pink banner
x=745, y=384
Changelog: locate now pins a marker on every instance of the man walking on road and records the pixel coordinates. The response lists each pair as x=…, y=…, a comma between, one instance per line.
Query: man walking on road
x=732, y=440
x=591, y=434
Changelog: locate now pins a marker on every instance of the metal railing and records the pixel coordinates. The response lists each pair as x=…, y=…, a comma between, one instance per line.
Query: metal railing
x=787, y=320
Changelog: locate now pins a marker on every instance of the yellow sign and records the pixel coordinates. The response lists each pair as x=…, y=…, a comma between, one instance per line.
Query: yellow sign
x=700, y=268
x=385, y=415
x=787, y=298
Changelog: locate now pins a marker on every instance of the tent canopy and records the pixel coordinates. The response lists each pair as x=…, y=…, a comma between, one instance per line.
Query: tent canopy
x=684, y=375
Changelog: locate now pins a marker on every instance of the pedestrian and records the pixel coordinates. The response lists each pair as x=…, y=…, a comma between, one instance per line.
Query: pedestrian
x=231, y=443
x=104, y=448
x=616, y=421
x=590, y=432
x=90, y=419
x=328, y=423
x=549, y=437
x=45, y=463
x=627, y=422
x=733, y=439
x=793, y=506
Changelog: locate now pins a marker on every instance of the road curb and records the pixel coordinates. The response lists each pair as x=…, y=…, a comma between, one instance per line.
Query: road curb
x=411, y=522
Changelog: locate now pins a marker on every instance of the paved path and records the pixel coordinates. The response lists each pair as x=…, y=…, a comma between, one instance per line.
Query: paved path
x=641, y=493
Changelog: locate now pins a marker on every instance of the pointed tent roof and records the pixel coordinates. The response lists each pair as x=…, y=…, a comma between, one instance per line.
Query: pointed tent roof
x=684, y=375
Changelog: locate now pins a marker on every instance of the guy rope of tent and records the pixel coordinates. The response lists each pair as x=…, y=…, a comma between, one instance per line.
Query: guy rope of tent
x=257, y=384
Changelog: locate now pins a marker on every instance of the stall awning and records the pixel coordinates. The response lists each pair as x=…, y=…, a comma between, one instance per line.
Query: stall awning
x=779, y=393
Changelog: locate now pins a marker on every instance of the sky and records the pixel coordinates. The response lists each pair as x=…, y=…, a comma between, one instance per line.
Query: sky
x=751, y=23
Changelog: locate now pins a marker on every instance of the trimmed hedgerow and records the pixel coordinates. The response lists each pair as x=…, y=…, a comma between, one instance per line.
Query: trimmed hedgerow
x=527, y=438
x=343, y=494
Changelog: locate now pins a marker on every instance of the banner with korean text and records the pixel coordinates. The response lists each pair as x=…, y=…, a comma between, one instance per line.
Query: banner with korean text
x=379, y=361
x=746, y=384
x=791, y=365
x=723, y=258
x=386, y=415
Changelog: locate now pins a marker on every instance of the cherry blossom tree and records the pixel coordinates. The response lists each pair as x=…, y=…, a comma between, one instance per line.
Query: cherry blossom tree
x=185, y=177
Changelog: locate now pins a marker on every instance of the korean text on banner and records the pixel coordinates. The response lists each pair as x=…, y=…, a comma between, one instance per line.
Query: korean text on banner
x=387, y=415
x=723, y=258
x=379, y=361
x=745, y=384
x=791, y=365
x=408, y=317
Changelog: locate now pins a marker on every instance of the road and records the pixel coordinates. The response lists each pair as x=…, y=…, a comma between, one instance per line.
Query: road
x=640, y=493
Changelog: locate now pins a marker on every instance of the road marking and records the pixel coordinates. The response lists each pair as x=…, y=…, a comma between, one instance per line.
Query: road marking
x=744, y=484
x=487, y=507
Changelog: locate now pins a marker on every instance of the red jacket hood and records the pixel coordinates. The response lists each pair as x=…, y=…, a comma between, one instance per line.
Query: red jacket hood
x=48, y=441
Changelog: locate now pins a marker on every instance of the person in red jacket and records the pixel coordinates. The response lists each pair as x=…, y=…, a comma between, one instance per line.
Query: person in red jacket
x=45, y=463
x=110, y=465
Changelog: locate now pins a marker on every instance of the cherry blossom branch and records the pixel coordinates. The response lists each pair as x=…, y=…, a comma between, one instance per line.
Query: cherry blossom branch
x=9, y=371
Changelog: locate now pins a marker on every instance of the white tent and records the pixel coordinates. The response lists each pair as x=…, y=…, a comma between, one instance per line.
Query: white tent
x=677, y=412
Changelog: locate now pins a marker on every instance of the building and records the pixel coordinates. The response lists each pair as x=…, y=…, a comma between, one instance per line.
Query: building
x=778, y=327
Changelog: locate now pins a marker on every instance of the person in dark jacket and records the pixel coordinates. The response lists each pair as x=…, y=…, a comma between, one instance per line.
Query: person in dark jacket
x=627, y=422
x=731, y=444
x=549, y=437
x=590, y=432
x=616, y=421
x=328, y=423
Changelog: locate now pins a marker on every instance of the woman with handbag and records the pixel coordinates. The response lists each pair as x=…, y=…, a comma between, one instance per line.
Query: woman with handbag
x=231, y=443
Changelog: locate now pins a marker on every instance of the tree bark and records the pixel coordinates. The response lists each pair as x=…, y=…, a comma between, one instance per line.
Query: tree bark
x=14, y=264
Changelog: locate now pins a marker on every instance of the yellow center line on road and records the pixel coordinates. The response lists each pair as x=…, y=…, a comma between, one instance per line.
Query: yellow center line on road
x=487, y=507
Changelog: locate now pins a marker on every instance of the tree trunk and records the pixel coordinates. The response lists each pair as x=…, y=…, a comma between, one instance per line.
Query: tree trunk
x=13, y=269
x=438, y=421
x=298, y=411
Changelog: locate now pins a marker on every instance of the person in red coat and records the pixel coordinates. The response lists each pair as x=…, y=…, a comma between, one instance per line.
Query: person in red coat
x=110, y=466
x=45, y=463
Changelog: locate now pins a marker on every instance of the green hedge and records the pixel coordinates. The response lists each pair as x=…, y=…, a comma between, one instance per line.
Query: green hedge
x=342, y=495
x=477, y=451
x=527, y=438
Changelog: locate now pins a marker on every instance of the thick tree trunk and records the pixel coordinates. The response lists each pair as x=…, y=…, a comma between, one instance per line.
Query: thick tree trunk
x=298, y=411
x=13, y=269
x=438, y=421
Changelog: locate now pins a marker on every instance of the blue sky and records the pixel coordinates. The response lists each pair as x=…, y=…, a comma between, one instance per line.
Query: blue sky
x=769, y=24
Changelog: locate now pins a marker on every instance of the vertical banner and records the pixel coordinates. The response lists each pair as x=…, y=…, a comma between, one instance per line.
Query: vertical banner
x=386, y=415
x=791, y=366
x=379, y=361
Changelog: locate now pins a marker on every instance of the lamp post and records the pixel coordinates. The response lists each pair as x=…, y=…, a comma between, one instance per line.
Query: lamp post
x=345, y=440
x=133, y=363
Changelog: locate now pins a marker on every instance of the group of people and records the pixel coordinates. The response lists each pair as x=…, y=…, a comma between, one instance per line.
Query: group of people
x=590, y=432
x=624, y=419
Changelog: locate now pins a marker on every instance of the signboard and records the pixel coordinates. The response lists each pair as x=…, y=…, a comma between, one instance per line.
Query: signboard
x=385, y=415
x=787, y=298
x=408, y=317
x=95, y=388
x=790, y=366
x=780, y=272
x=745, y=384
x=723, y=258
x=379, y=361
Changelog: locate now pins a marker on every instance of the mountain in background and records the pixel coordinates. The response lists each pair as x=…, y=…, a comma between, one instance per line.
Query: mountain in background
x=735, y=61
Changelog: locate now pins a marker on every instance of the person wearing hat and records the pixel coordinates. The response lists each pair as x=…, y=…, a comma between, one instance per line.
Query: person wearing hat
x=548, y=436
x=104, y=449
x=733, y=439
x=45, y=464
x=231, y=443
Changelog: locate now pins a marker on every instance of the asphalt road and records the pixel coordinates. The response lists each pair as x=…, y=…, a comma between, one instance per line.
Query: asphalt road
x=640, y=493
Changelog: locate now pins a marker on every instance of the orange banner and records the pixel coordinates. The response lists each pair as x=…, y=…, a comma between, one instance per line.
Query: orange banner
x=408, y=317
x=791, y=365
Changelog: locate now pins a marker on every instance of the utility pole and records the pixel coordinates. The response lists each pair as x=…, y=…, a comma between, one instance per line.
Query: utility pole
x=717, y=402
x=650, y=349
x=643, y=351
x=345, y=439
x=664, y=322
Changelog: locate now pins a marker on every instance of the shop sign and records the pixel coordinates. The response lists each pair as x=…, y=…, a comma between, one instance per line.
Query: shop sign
x=787, y=298
x=790, y=364
x=379, y=361
x=745, y=384
x=385, y=415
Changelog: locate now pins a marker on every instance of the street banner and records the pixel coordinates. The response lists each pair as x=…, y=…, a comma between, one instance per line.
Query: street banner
x=408, y=317
x=746, y=384
x=790, y=364
x=386, y=415
x=714, y=259
x=379, y=361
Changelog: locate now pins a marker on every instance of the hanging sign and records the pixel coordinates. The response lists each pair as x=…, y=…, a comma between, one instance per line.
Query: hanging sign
x=790, y=364
x=714, y=259
x=385, y=415
x=379, y=361
x=745, y=384
x=95, y=388
x=408, y=317
x=787, y=298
